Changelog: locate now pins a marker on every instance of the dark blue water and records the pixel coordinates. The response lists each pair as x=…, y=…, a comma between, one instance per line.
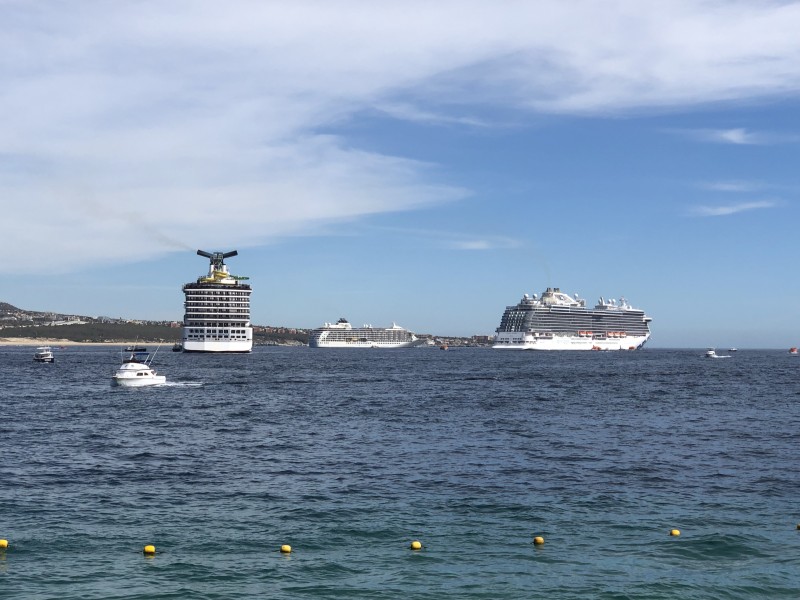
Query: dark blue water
x=350, y=455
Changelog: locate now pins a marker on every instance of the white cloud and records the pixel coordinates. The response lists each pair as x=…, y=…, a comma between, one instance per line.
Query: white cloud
x=191, y=122
x=738, y=136
x=730, y=209
x=732, y=186
x=734, y=136
x=409, y=112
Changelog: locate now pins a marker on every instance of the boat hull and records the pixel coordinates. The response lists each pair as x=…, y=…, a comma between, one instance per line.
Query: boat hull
x=136, y=374
x=139, y=381
x=520, y=341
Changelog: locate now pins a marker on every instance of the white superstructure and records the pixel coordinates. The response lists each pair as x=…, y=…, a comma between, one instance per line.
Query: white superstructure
x=558, y=321
x=217, y=317
x=343, y=335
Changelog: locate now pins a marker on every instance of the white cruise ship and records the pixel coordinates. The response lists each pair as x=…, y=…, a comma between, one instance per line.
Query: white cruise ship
x=558, y=321
x=217, y=317
x=343, y=335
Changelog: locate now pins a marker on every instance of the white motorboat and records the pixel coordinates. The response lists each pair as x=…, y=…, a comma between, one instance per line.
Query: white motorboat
x=44, y=355
x=710, y=353
x=136, y=371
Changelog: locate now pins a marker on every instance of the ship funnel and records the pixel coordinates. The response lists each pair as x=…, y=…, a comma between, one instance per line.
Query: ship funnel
x=217, y=258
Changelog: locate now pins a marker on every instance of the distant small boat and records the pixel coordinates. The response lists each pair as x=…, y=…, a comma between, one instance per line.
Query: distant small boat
x=44, y=354
x=733, y=349
x=177, y=347
x=792, y=350
x=135, y=349
x=711, y=353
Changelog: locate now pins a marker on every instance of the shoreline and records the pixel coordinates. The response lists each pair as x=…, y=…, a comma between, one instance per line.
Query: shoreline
x=56, y=342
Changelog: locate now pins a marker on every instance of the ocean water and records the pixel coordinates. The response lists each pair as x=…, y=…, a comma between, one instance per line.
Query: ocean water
x=349, y=455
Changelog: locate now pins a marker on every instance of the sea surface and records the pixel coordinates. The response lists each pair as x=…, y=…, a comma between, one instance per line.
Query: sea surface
x=350, y=455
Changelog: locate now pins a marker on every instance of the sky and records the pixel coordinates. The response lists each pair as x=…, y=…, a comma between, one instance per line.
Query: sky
x=424, y=163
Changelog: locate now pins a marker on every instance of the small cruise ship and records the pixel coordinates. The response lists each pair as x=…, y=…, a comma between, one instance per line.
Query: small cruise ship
x=217, y=317
x=558, y=321
x=343, y=335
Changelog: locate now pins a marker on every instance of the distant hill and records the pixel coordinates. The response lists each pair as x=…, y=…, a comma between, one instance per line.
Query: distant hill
x=19, y=323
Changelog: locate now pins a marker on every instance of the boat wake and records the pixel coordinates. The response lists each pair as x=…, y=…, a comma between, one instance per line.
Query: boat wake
x=182, y=384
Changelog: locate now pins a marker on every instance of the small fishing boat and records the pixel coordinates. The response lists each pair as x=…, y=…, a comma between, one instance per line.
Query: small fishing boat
x=177, y=347
x=135, y=348
x=136, y=371
x=44, y=354
x=711, y=353
x=792, y=350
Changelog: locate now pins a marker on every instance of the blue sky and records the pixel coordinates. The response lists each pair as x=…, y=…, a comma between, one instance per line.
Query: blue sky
x=411, y=162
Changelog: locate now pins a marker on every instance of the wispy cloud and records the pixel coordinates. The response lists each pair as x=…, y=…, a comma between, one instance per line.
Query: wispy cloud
x=454, y=240
x=732, y=186
x=409, y=112
x=482, y=243
x=731, y=209
x=733, y=136
x=196, y=113
x=738, y=136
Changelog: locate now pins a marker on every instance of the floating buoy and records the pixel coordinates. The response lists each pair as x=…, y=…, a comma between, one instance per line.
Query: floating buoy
x=286, y=548
x=538, y=540
x=416, y=545
x=149, y=550
x=4, y=543
x=675, y=532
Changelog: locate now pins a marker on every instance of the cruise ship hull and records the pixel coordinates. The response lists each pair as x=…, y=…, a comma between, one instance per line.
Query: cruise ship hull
x=344, y=335
x=217, y=346
x=360, y=344
x=559, y=321
x=217, y=317
x=519, y=341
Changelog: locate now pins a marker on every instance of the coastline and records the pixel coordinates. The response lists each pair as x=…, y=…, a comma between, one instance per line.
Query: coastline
x=11, y=341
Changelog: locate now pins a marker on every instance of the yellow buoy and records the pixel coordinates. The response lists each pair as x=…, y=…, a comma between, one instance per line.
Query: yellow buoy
x=286, y=548
x=675, y=532
x=416, y=545
x=4, y=543
x=538, y=540
x=149, y=550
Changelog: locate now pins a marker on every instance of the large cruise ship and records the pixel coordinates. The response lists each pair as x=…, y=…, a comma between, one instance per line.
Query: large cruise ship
x=343, y=335
x=558, y=321
x=217, y=317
